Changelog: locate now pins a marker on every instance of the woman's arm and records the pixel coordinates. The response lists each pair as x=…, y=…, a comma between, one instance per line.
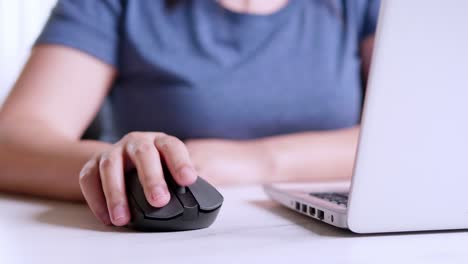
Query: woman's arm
x=367, y=48
x=55, y=98
x=326, y=155
x=57, y=95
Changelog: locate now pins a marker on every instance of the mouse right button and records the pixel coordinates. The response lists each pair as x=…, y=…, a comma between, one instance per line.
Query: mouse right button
x=207, y=196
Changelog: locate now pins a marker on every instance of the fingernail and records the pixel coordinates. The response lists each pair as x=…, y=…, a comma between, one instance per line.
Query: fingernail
x=159, y=194
x=86, y=168
x=119, y=213
x=188, y=174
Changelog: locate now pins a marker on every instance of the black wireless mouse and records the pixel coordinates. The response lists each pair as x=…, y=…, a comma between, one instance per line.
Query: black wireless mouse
x=192, y=207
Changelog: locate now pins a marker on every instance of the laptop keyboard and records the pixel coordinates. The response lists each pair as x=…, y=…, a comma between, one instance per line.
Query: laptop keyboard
x=337, y=198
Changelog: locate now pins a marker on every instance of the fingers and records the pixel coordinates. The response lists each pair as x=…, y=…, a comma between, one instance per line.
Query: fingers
x=113, y=184
x=145, y=157
x=91, y=188
x=177, y=159
x=102, y=179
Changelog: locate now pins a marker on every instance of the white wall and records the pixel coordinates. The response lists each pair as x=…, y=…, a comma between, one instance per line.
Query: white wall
x=20, y=23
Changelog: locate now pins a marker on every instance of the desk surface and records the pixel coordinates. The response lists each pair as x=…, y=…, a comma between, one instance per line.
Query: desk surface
x=249, y=228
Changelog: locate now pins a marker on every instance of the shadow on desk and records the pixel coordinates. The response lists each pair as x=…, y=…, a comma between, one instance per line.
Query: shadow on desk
x=76, y=216
x=62, y=214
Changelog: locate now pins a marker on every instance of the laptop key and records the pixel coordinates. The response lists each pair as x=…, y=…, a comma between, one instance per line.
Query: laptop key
x=337, y=198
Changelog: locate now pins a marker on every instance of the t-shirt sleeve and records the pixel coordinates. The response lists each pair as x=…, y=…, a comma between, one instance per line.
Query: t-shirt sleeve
x=369, y=20
x=91, y=26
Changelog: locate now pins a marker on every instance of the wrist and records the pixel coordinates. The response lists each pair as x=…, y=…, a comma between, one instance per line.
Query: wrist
x=266, y=160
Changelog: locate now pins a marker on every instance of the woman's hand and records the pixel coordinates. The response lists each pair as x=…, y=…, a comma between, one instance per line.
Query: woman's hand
x=102, y=178
x=231, y=162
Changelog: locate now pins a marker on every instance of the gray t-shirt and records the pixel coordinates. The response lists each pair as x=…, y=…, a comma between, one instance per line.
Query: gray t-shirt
x=197, y=70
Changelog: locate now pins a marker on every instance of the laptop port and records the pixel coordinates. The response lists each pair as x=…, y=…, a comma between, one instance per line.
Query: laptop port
x=298, y=206
x=311, y=211
x=304, y=208
x=320, y=214
x=332, y=218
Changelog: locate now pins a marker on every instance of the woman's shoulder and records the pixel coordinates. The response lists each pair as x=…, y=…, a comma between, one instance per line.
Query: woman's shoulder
x=94, y=27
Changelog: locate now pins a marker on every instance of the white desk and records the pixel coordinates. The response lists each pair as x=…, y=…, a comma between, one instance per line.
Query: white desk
x=249, y=229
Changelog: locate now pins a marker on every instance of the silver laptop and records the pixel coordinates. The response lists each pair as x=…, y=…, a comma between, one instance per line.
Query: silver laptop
x=411, y=170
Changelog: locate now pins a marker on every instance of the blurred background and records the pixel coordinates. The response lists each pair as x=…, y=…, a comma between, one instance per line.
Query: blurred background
x=20, y=23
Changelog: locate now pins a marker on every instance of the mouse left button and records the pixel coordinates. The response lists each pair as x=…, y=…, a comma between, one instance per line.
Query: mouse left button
x=172, y=209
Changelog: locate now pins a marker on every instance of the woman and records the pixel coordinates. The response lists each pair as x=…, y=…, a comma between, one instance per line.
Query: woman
x=237, y=91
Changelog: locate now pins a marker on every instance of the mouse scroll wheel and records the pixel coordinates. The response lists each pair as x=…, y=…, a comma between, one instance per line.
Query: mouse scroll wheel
x=181, y=190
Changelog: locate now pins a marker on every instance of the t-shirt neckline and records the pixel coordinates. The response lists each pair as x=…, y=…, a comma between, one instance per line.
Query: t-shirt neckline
x=283, y=11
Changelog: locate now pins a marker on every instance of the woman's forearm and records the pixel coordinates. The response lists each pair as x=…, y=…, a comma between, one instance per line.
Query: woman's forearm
x=326, y=155
x=57, y=94
x=37, y=162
